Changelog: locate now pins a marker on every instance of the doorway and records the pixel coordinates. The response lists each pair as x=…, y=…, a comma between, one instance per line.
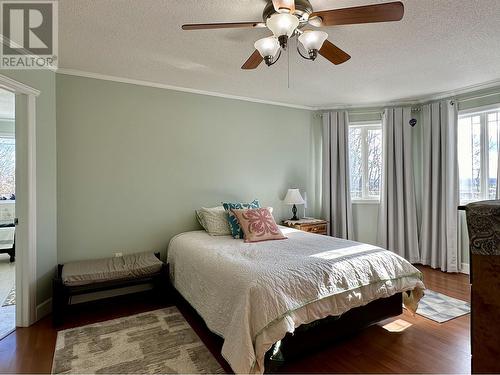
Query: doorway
x=7, y=213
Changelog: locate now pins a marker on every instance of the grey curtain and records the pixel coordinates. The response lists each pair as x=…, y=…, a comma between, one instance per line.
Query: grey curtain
x=440, y=198
x=498, y=177
x=498, y=170
x=336, y=195
x=397, y=230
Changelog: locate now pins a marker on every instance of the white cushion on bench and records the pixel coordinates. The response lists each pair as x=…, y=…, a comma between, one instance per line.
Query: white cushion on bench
x=100, y=270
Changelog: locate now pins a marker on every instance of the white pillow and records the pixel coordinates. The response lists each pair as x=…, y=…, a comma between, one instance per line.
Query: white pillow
x=214, y=220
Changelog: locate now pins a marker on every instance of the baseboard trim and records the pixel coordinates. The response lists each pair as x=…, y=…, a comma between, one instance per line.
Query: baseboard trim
x=465, y=268
x=44, y=309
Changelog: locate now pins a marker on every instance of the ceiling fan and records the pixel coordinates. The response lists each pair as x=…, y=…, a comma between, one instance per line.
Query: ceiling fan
x=289, y=18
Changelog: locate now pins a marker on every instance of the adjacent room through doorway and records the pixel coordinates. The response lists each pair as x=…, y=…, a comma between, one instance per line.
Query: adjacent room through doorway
x=7, y=213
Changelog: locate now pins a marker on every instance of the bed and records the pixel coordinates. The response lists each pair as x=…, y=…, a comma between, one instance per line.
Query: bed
x=253, y=294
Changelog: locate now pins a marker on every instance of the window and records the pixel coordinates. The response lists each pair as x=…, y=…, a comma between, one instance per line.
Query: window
x=365, y=159
x=478, y=139
x=7, y=167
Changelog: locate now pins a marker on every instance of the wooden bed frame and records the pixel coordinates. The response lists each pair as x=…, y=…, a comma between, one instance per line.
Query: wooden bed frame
x=319, y=334
x=309, y=337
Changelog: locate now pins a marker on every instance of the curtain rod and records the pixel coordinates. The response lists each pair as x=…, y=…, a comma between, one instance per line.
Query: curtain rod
x=416, y=105
x=413, y=109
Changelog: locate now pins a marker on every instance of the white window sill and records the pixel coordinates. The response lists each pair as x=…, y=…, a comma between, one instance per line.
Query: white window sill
x=465, y=203
x=365, y=201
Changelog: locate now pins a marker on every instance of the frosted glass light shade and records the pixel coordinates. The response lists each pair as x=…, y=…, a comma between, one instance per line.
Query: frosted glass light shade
x=293, y=197
x=282, y=24
x=267, y=46
x=313, y=39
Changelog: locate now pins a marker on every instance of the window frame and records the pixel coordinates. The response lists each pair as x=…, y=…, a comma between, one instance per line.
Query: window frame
x=10, y=136
x=483, y=113
x=365, y=126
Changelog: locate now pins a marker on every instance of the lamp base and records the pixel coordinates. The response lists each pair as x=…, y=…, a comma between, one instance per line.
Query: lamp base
x=294, y=212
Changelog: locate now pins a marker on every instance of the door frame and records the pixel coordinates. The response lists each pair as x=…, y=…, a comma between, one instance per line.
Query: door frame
x=26, y=246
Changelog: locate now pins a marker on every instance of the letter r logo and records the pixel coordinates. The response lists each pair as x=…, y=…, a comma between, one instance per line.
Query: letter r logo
x=27, y=28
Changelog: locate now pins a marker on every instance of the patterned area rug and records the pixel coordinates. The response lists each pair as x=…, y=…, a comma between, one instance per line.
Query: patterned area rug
x=159, y=341
x=441, y=308
x=11, y=298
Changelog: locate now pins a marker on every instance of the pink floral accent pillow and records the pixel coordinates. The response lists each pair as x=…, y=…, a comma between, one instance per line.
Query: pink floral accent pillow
x=258, y=224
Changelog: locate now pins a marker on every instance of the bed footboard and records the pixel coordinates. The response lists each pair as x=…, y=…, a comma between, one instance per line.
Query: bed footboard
x=319, y=334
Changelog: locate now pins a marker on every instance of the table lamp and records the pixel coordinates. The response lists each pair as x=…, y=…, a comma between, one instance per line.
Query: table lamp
x=293, y=197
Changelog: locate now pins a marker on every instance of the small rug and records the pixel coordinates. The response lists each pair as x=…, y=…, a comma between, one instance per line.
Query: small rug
x=11, y=298
x=441, y=308
x=159, y=341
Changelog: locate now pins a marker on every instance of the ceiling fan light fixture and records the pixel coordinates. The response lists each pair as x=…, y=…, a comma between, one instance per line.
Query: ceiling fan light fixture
x=282, y=6
x=286, y=19
x=282, y=24
x=315, y=21
x=312, y=39
x=268, y=48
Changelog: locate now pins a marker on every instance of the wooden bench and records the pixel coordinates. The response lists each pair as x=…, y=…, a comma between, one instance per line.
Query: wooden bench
x=62, y=290
x=11, y=250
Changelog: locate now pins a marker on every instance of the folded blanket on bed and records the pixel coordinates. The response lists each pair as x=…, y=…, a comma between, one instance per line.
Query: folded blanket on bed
x=252, y=294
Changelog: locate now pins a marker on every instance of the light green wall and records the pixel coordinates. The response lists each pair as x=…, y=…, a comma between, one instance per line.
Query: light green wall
x=46, y=174
x=365, y=114
x=365, y=222
x=315, y=167
x=135, y=162
x=479, y=99
x=364, y=215
x=469, y=101
x=189, y=150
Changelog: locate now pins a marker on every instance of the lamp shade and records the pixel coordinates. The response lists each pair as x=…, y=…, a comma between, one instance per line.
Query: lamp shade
x=282, y=24
x=313, y=39
x=267, y=46
x=293, y=197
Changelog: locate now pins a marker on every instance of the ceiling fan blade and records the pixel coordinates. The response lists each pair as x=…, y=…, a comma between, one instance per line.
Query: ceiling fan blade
x=284, y=5
x=253, y=61
x=333, y=53
x=364, y=14
x=228, y=25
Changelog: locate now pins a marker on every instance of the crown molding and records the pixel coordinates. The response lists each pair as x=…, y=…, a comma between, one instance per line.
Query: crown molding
x=80, y=73
x=404, y=102
x=452, y=94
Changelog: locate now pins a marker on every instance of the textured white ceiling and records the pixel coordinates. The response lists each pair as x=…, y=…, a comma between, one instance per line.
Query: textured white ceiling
x=440, y=45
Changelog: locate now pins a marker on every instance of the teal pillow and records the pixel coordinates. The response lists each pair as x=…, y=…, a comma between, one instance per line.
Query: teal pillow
x=236, y=230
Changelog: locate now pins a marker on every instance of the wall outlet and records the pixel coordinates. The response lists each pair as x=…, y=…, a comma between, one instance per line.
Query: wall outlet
x=117, y=255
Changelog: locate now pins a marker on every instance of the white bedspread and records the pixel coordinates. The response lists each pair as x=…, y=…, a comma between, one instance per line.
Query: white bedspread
x=252, y=294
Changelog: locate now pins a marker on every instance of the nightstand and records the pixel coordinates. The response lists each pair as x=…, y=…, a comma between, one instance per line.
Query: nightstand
x=316, y=226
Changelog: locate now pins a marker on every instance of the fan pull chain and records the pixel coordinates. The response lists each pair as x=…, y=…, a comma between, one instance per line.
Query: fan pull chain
x=288, y=57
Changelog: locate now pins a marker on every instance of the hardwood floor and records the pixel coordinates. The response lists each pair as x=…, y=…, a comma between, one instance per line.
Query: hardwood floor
x=423, y=347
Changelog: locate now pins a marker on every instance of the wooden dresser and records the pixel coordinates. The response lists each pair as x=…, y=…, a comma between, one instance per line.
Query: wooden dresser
x=483, y=223
x=316, y=226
